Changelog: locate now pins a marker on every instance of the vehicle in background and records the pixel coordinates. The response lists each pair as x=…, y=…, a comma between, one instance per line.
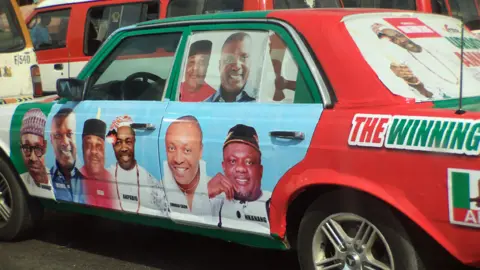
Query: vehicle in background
x=71, y=45
x=19, y=72
x=189, y=124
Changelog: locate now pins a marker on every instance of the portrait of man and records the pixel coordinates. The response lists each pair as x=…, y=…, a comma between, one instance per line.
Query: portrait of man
x=235, y=63
x=195, y=88
x=242, y=178
x=33, y=147
x=99, y=186
x=67, y=180
x=138, y=190
x=185, y=175
x=427, y=73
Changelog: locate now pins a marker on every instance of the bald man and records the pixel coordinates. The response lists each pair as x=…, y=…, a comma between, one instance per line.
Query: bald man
x=185, y=174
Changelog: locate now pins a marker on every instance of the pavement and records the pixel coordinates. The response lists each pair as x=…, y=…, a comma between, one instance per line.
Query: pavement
x=70, y=241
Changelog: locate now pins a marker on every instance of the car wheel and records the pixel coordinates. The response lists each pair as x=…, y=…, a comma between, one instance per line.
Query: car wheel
x=346, y=229
x=19, y=213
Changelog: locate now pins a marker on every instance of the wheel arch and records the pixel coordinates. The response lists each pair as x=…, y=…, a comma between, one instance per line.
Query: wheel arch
x=286, y=213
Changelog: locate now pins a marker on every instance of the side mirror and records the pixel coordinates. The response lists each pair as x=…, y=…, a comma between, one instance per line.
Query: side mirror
x=71, y=89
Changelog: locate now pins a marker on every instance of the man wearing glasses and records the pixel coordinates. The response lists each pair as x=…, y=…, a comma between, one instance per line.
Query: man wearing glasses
x=33, y=147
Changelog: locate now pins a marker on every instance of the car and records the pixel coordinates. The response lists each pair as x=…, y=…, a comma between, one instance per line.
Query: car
x=347, y=135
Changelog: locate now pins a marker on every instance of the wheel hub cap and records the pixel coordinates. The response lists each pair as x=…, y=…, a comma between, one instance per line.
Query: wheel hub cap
x=6, y=201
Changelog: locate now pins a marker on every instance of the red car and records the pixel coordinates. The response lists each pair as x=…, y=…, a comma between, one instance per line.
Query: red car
x=350, y=135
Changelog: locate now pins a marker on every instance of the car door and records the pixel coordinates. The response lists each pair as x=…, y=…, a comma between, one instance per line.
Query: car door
x=243, y=113
x=48, y=30
x=107, y=144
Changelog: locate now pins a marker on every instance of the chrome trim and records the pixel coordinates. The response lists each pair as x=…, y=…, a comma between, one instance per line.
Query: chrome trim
x=323, y=89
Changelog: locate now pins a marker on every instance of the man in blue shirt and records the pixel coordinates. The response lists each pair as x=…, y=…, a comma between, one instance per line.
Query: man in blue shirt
x=234, y=70
x=66, y=178
x=39, y=32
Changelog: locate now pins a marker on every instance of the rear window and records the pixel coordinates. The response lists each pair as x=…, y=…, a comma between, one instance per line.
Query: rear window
x=11, y=38
x=104, y=20
x=464, y=8
x=194, y=7
x=395, y=4
x=292, y=4
x=418, y=56
x=48, y=29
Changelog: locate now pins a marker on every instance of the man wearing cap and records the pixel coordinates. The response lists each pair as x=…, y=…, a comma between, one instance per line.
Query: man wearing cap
x=243, y=172
x=138, y=190
x=99, y=185
x=194, y=88
x=67, y=180
x=185, y=174
x=426, y=73
x=234, y=70
x=33, y=147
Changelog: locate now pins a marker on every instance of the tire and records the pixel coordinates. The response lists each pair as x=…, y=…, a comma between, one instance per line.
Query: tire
x=26, y=211
x=353, y=204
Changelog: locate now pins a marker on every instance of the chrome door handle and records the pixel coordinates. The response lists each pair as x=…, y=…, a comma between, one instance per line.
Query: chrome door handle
x=294, y=135
x=143, y=126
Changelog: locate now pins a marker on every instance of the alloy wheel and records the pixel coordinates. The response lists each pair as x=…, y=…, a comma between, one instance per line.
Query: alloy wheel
x=349, y=242
x=6, y=201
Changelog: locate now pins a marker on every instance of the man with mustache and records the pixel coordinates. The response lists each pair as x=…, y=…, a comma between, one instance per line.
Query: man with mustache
x=99, y=187
x=33, y=147
x=243, y=171
x=185, y=174
x=137, y=189
x=194, y=88
x=66, y=177
x=234, y=70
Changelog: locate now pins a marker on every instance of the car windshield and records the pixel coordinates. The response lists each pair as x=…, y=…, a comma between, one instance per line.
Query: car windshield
x=11, y=38
x=419, y=56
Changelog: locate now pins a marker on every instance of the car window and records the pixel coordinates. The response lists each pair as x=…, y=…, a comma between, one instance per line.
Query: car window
x=396, y=4
x=291, y=4
x=11, y=37
x=239, y=66
x=48, y=29
x=419, y=57
x=137, y=69
x=464, y=8
x=439, y=7
x=194, y=7
x=104, y=20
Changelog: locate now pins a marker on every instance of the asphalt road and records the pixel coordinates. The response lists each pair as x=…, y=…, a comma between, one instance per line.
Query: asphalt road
x=69, y=241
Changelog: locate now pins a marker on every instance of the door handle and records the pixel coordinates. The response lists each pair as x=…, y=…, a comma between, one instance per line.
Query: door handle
x=294, y=135
x=58, y=66
x=143, y=126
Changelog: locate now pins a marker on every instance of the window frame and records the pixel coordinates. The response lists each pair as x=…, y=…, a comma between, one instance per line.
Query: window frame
x=15, y=23
x=303, y=67
x=172, y=1
x=88, y=19
x=114, y=41
x=52, y=11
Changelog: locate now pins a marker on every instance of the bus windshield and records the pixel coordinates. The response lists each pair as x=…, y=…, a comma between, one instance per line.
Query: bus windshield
x=11, y=38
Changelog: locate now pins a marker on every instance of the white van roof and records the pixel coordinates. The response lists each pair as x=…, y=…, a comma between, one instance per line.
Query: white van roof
x=51, y=3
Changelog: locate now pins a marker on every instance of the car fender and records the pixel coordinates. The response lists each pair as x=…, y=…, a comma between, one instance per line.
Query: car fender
x=296, y=181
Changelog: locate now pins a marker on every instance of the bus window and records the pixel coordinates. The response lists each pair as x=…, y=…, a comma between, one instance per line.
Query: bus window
x=194, y=7
x=104, y=20
x=390, y=4
x=48, y=30
x=439, y=7
x=464, y=8
x=291, y=4
x=11, y=38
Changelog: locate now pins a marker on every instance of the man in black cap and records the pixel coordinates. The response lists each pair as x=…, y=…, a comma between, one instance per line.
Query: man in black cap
x=194, y=88
x=98, y=181
x=243, y=172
